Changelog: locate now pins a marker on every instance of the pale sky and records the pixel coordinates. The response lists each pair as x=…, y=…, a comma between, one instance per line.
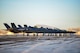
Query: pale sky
x=57, y=13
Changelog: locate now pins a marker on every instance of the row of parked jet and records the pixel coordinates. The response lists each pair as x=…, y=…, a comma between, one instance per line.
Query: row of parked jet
x=30, y=29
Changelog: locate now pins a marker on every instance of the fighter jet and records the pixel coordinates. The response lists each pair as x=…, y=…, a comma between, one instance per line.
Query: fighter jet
x=14, y=28
x=30, y=29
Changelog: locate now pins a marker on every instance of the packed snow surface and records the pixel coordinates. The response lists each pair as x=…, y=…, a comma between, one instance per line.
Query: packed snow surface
x=60, y=45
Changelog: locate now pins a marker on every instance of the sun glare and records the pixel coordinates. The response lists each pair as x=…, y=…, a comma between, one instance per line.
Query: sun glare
x=9, y=33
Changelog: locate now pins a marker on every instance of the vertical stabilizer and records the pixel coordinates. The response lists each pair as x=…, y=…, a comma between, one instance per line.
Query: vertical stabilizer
x=20, y=26
x=13, y=26
x=25, y=26
x=7, y=26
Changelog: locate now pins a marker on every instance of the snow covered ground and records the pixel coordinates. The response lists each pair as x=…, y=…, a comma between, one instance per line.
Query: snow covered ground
x=60, y=45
